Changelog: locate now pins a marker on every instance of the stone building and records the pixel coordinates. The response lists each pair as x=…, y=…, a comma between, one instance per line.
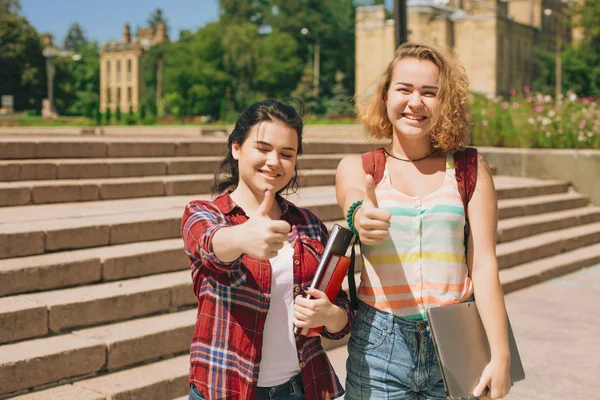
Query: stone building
x=494, y=40
x=120, y=78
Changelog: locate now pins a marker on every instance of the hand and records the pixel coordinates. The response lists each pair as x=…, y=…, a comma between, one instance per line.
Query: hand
x=261, y=236
x=315, y=312
x=496, y=377
x=371, y=222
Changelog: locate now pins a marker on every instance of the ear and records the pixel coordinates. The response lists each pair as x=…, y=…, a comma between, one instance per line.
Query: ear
x=235, y=150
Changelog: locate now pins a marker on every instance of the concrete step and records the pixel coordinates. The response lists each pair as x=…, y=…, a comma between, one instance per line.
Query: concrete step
x=62, y=309
x=36, y=314
x=30, y=230
x=32, y=147
x=543, y=269
x=157, y=381
x=520, y=227
x=50, y=169
x=78, y=267
x=76, y=190
x=525, y=206
x=546, y=244
x=111, y=347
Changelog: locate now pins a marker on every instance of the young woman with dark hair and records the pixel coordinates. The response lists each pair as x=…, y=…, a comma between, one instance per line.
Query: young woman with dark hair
x=251, y=253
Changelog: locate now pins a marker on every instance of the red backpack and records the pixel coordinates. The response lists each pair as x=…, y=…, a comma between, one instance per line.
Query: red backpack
x=465, y=162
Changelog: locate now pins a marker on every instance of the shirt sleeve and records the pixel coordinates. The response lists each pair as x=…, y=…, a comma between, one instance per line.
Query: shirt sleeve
x=201, y=220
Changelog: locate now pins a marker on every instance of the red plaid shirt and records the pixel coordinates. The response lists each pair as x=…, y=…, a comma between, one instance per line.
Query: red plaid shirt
x=233, y=301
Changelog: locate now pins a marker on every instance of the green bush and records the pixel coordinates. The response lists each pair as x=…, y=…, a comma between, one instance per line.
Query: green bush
x=534, y=120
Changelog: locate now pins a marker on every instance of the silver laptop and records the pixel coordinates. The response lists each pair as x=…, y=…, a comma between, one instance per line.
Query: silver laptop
x=463, y=349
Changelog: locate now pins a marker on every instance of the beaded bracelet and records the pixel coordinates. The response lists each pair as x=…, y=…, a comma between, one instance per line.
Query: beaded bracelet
x=350, y=215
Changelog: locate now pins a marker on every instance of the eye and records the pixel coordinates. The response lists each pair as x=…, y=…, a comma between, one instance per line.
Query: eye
x=288, y=156
x=430, y=94
x=262, y=149
x=404, y=90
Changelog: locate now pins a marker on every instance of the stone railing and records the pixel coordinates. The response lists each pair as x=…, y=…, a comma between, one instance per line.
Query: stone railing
x=580, y=167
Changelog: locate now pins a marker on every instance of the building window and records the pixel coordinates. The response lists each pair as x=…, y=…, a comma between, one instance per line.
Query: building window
x=108, y=100
x=129, y=94
x=118, y=95
x=129, y=66
x=118, y=66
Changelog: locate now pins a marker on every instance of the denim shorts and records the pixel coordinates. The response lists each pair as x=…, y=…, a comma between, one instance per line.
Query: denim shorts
x=290, y=390
x=391, y=357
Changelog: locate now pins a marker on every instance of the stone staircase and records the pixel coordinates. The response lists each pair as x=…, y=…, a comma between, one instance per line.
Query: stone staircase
x=95, y=290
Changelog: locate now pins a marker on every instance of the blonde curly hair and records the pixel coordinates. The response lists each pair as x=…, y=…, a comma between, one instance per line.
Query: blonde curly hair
x=451, y=128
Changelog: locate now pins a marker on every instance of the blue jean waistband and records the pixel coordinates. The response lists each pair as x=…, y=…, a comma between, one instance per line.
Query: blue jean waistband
x=294, y=385
x=384, y=319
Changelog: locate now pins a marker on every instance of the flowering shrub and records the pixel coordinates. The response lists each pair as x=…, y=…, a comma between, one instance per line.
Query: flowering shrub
x=534, y=120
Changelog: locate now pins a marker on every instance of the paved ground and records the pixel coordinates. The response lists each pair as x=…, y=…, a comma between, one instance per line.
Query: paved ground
x=557, y=326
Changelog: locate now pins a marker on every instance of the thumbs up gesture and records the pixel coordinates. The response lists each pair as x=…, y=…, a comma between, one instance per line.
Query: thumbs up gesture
x=371, y=222
x=262, y=236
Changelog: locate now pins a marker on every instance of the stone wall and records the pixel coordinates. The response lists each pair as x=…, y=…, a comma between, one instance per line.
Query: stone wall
x=580, y=167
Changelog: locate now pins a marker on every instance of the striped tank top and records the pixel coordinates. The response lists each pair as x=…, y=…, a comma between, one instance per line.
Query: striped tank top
x=422, y=262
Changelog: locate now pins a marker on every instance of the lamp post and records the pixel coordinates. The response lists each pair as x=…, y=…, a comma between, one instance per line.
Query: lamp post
x=51, y=52
x=558, y=69
x=316, y=60
x=401, y=31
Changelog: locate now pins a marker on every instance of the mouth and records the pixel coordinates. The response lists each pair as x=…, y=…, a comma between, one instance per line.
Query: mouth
x=414, y=117
x=269, y=174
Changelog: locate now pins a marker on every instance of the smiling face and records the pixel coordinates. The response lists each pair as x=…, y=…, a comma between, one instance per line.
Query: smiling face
x=267, y=157
x=411, y=100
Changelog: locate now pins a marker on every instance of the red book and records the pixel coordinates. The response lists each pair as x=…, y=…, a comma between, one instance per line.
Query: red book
x=332, y=269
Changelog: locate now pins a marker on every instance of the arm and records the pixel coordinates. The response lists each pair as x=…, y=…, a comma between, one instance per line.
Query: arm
x=349, y=182
x=200, y=224
x=483, y=269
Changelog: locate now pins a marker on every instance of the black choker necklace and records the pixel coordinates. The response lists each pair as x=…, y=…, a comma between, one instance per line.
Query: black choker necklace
x=407, y=160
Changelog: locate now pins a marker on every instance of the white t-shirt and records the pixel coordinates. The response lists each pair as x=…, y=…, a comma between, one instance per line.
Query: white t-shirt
x=279, y=355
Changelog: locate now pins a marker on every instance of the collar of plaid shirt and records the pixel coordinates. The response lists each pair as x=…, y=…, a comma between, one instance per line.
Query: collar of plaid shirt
x=233, y=301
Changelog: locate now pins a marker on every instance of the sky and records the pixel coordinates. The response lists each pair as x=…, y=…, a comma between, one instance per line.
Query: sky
x=103, y=20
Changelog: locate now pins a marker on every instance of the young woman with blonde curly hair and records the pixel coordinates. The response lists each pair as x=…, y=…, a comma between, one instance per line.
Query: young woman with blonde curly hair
x=405, y=203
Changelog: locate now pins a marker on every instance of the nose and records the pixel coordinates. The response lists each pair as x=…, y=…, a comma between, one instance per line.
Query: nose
x=272, y=158
x=415, y=101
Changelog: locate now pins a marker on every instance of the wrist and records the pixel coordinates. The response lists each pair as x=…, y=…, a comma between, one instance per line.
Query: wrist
x=351, y=215
x=337, y=319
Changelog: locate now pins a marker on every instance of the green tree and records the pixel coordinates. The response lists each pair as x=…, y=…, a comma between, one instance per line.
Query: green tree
x=340, y=105
x=331, y=22
x=305, y=92
x=75, y=38
x=10, y=7
x=156, y=17
x=23, y=68
x=118, y=114
x=235, y=11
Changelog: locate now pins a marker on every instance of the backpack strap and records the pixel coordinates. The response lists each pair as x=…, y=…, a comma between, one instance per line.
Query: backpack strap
x=465, y=162
x=374, y=164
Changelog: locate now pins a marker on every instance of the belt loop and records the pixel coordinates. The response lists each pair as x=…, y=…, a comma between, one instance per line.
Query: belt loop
x=296, y=388
x=390, y=323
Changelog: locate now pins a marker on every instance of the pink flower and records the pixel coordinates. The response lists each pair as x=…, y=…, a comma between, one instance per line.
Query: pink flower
x=484, y=122
x=592, y=97
x=513, y=92
x=581, y=124
x=505, y=105
x=586, y=100
x=515, y=105
x=539, y=108
x=527, y=89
